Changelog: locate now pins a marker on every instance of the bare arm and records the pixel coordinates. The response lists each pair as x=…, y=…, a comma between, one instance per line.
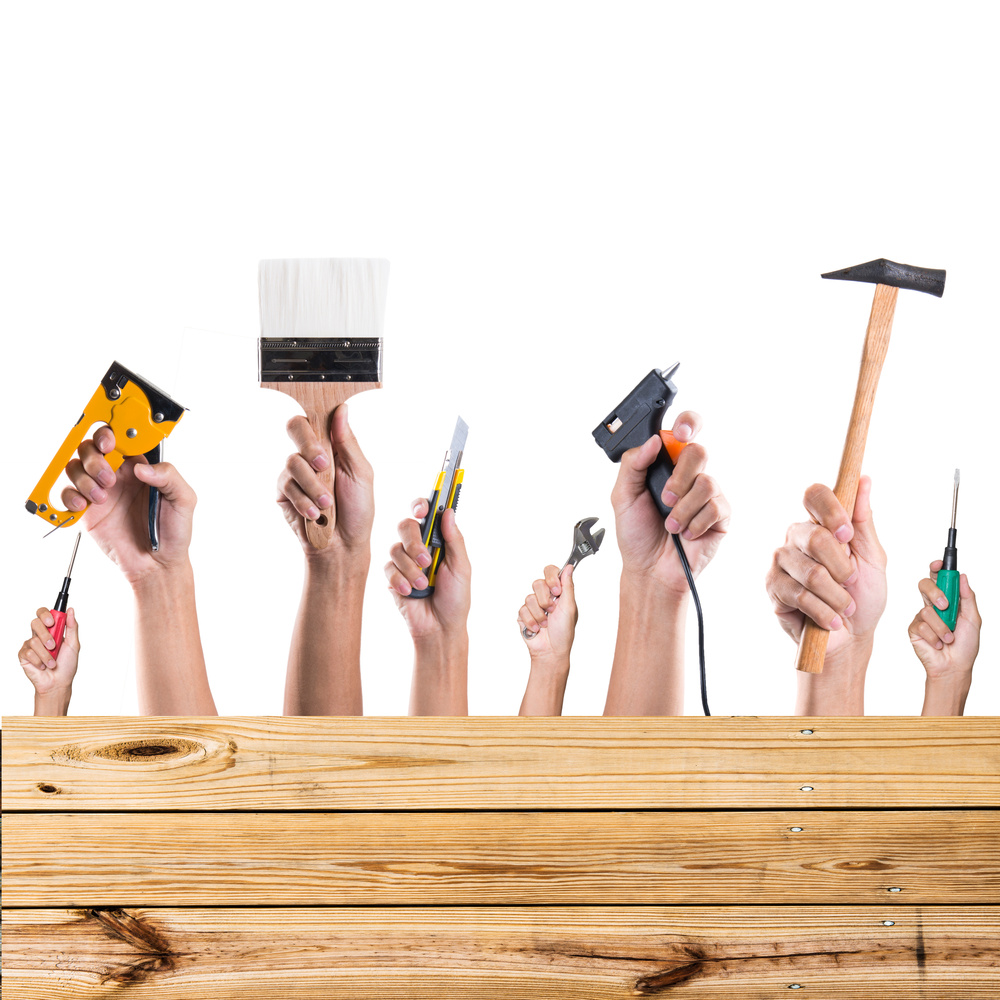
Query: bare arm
x=647, y=675
x=438, y=624
x=547, y=621
x=170, y=664
x=324, y=660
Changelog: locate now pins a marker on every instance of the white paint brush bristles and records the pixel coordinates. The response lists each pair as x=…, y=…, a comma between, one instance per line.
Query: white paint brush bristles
x=336, y=297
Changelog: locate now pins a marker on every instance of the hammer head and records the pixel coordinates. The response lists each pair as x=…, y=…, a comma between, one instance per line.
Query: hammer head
x=888, y=272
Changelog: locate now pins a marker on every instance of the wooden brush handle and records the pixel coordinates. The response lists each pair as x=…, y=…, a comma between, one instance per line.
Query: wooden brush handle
x=319, y=400
x=812, y=643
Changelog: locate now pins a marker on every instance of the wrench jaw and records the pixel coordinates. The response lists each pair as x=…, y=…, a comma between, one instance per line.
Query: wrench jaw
x=585, y=543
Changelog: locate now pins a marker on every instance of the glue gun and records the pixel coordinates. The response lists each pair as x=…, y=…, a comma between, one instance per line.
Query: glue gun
x=635, y=420
x=139, y=414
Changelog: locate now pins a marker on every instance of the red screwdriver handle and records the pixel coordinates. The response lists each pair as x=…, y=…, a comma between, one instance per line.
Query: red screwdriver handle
x=57, y=630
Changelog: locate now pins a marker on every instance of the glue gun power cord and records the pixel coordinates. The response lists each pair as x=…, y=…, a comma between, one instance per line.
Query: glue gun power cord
x=701, y=621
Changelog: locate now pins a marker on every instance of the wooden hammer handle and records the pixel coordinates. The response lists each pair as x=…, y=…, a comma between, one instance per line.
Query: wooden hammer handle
x=812, y=643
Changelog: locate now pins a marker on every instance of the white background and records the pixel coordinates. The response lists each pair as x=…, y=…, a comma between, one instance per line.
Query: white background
x=569, y=195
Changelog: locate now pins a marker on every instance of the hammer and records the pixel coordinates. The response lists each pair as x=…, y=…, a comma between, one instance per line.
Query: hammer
x=887, y=276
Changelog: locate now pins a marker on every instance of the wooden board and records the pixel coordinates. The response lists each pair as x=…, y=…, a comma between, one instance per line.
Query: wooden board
x=363, y=764
x=172, y=859
x=514, y=953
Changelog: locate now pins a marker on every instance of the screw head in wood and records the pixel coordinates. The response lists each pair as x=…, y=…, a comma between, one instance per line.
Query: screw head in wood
x=795, y=829
x=806, y=732
x=888, y=923
x=895, y=888
x=806, y=788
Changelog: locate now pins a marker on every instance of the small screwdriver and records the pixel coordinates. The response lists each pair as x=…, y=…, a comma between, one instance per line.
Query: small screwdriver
x=947, y=575
x=59, y=610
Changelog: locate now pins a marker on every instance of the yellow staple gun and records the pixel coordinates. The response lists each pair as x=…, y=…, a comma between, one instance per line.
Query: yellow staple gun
x=140, y=415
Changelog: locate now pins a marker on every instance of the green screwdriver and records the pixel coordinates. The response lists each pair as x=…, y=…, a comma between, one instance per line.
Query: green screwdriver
x=947, y=575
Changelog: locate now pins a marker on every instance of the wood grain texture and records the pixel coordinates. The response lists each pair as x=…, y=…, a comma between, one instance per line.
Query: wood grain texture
x=175, y=859
x=520, y=953
x=366, y=764
x=812, y=645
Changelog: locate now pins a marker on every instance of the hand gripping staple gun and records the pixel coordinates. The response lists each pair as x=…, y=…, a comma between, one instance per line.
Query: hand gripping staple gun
x=139, y=414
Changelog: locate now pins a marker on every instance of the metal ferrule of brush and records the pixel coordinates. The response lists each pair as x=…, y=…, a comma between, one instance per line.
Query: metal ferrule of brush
x=312, y=359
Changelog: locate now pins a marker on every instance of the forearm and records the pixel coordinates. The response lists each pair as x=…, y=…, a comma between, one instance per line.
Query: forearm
x=543, y=694
x=324, y=661
x=840, y=688
x=647, y=675
x=440, y=674
x=53, y=703
x=170, y=664
x=945, y=695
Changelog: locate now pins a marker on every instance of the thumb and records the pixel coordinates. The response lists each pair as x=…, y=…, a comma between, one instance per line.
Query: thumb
x=345, y=444
x=71, y=633
x=865, y=542
x=631, y=482
x=456, y=554
x=566, y=579
x=169, y=482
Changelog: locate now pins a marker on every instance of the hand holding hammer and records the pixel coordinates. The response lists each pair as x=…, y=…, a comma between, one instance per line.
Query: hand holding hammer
x=887, y=277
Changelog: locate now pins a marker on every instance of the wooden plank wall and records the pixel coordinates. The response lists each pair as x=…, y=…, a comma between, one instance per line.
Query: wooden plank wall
x=505, y=858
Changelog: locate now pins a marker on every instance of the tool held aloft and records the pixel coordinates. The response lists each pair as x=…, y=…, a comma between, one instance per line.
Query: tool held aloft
x=321, y=342
x=888, y=277
x=445, y=494
x=59, y=608
x=948, y=576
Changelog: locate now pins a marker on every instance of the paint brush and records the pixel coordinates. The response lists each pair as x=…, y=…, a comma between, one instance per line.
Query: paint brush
x=321, y=341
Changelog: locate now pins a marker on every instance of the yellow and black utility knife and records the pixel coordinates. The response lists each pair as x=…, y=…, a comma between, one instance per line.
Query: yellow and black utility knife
x=444, y=495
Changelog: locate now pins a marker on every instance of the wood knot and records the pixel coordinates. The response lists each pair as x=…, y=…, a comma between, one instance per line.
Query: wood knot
x=48, y=789
x=863, y=866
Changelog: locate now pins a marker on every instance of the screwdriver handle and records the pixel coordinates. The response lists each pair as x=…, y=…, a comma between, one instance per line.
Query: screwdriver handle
x=947, y=583
x=57, y=630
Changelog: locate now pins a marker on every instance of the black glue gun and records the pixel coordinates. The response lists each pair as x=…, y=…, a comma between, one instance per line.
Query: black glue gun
x=635, y=420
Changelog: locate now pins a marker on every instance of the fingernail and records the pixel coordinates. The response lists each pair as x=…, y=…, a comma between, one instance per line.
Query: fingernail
x=950, y=637
x=98, y=495
x=403, y=587
x=77, y=503
x=415, y=508
x=843, y=533
x=852, y=577
x=325, y=500
x=106, y=477
x=556, y=591
x=320, y=462
x=686, y=533
x=670, y=498
x=50, y=643
x=421, y=582
x=312, y=513
x=673, y=525
x=836, y=623
x=851, y=608
x=941, y=602
x=683, y=432
x=51, y=664
x=424, y=558
x=939, y=644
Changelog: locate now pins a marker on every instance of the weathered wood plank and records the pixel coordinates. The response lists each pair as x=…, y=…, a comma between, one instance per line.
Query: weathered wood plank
x=173, y=859
x=483, y=763
x=520, y=953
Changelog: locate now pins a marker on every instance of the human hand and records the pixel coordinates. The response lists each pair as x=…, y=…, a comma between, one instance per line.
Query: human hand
x=118, y=515
x=700, y=512
x=303, y=496
x=50, y=675
x=548, y=617
x=447, y=608
x=943, y=653
x=831, y=569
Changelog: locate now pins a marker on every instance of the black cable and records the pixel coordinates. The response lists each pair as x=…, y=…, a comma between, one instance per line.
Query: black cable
x=701, y=621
